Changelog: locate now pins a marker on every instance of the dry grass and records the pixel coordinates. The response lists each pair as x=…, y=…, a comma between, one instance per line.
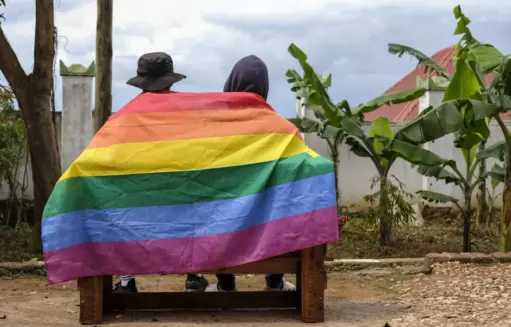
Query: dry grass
x=439, y=235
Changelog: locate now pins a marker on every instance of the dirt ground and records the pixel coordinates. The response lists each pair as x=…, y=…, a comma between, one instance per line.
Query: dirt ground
x=453, y=295
x=351, y=302
x=457, y=295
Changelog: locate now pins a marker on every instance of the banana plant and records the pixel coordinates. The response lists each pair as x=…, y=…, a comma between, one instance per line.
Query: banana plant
x=467, y=182
x=499, y=92
x=331, y=136
x=342, y=123
x=472, y=62
x=497, y=177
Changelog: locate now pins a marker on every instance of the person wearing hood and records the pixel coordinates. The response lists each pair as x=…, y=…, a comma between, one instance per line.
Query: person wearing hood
x=249, y=74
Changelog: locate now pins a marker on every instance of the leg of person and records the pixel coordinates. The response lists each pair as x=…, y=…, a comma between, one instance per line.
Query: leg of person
x=226, y=283
x=276, y=282
x=126, y=285
x=195, y=283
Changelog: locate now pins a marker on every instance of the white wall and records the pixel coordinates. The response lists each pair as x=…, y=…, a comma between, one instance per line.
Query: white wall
x=355, y=172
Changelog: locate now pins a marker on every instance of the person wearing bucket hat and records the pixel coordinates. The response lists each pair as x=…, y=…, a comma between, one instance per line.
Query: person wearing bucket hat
x=156, y=73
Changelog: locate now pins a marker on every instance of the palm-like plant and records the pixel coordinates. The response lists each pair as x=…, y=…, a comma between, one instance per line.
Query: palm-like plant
x=472, y=62
x=341, y=123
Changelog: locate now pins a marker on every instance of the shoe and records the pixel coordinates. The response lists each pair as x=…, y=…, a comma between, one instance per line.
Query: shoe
x=216, y=288
x=131, y=287
x=195, y=283
x=285, y=286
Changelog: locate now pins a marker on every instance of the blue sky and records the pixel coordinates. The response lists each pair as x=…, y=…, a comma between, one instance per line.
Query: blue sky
x=345, y=37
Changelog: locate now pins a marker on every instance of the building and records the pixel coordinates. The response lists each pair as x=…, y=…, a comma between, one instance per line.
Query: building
x=407, y=111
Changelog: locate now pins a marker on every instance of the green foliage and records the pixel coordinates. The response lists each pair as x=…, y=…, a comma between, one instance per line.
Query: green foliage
x=12, y=135
x=401, y=211
x=429, y=64
x=15, y=243
x=388, y=99
x=467, y=106
x=487, y=56
x=436, y=197
x=496, y=151
x=13, y=149
x=497, y=175
x=449, y=117
x=340, y=123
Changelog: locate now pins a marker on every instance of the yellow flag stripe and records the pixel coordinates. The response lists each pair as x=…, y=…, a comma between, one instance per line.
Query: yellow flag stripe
x=184, y=155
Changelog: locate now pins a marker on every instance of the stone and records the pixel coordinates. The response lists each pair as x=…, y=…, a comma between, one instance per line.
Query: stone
x=481, y=258
x=432, y=258
x=375, y=272
x=502, y=257
x=356, y=261
x=462, y=257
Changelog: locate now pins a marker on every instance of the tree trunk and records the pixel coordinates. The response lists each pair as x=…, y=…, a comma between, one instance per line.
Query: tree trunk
x=505, y=222
x=467, y=215
x=103, y=103
x=335, y=157
x=33, y=94
x=505, y=217
x=482, y=196
x=385, y=213
x=44, y=157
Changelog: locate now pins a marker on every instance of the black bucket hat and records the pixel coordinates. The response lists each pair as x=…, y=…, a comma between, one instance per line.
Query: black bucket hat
x=155, y=72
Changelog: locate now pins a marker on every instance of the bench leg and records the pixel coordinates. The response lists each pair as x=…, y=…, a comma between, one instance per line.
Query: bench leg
x=325, y=250
x=107, y=292
x=91, y=300
x=313, y=281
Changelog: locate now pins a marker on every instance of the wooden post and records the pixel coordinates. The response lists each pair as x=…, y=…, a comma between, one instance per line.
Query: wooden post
x=91, y=300
x=313, y=289
x=107, y=293
x=299, y=285
x=325, y=251
x=103, y=103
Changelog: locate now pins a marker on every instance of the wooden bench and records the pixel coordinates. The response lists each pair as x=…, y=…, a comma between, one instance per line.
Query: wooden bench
x=97, y=298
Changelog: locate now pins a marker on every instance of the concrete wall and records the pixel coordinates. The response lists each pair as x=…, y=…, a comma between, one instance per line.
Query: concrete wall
x=77, y=123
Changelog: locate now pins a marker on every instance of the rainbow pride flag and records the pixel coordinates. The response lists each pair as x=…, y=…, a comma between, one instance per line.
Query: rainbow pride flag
x=188, y=182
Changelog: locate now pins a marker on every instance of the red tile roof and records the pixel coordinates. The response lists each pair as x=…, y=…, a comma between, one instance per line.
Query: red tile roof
x=410, y=110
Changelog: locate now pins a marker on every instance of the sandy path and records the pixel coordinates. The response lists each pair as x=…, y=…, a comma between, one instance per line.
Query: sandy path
x=350, y=302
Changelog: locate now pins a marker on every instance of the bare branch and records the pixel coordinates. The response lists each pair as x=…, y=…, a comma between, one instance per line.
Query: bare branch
x=44, y=47
x=10, y=66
